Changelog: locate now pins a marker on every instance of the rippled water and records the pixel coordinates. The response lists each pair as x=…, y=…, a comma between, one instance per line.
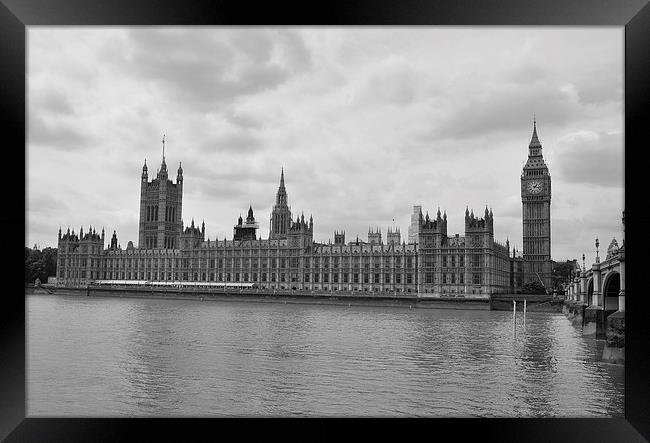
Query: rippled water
x=136, y=357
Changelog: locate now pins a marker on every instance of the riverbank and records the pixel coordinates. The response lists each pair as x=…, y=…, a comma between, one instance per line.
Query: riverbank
x=346, y=299
x=501, y=302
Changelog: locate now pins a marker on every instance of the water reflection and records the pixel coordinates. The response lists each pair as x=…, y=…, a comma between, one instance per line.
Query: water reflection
x=165, y=357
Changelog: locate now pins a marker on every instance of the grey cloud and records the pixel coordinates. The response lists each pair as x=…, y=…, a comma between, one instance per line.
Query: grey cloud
x=582, y=232
x=258, y=78
x=255, y=44
x=41, y=203
x=508, y=208
x=53, y=101
x=210, y=74
x=595, y=162
x=244, y=120
x=221, y=190
x=196, y=168
x=393, y=83
x=296, y=52
x=61, y=136
x=528, y=72
x=596, y=88
x=236, y=143
x=505, y=110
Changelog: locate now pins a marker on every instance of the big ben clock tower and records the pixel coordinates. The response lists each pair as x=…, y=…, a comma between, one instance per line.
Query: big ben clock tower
x=536, y=209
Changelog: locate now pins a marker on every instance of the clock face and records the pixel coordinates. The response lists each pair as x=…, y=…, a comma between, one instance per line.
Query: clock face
x=535, y=187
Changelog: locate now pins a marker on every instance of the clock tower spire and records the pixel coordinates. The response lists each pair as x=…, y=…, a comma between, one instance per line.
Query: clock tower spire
x=536, y=214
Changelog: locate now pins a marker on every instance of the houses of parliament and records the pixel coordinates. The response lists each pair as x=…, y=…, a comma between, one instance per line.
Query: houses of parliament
x=430, y=262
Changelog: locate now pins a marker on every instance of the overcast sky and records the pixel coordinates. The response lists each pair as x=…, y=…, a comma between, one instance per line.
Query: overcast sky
x=366, y=122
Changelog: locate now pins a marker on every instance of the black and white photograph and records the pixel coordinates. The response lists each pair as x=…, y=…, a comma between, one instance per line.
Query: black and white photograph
x=327, y=221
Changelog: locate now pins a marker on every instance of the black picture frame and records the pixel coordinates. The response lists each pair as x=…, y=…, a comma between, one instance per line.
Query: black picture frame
x=15, y=15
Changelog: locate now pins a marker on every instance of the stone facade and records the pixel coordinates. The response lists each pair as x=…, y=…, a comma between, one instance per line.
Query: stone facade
x=431, y=264
x=161, y=203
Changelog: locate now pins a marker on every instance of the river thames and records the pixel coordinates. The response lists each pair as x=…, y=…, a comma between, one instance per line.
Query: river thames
x=137, y=357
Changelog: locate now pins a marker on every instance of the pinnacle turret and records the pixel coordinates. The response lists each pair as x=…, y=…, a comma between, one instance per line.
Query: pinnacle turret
x=249, y=217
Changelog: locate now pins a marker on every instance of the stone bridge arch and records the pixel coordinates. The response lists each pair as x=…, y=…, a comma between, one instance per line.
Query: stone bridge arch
x=611, y=290
x=589, y=293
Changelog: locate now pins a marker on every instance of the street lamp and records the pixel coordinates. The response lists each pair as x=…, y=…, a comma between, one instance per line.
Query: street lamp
x=584, y=269
x=597, y=257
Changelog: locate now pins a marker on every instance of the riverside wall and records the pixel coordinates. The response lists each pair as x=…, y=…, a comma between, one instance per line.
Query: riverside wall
x=287, y=296
x=601, y=325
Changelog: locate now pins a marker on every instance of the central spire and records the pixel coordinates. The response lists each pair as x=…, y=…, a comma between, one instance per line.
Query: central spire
x=534, y=141
x=282, y=178
x=281, y=197
x=163, y=166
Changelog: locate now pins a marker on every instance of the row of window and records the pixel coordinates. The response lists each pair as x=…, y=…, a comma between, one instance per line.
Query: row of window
x=273, y=263
x=264, y=277
x=242, y=277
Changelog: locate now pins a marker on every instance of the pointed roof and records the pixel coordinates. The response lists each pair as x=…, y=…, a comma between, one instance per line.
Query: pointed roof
x=163, y=165
x=534, y=141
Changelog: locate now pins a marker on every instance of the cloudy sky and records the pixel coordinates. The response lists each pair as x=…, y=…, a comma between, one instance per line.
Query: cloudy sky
x=366, y=122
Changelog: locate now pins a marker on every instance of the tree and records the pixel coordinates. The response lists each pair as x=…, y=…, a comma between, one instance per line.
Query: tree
x=562, y=272
x=533, y=287
x=40, y=264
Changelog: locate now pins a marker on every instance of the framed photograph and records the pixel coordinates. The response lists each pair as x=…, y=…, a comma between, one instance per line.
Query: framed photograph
x=398, y=211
